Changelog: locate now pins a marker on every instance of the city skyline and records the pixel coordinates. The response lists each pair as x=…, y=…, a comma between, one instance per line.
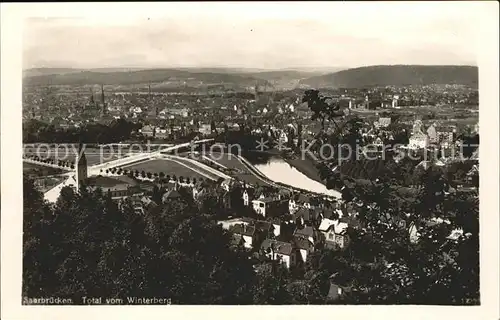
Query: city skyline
x=426, y=34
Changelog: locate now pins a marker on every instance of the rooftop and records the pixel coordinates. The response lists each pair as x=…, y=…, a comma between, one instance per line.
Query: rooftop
x=283, y=248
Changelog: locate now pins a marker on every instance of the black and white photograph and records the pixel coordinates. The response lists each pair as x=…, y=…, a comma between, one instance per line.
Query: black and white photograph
x=242, y=155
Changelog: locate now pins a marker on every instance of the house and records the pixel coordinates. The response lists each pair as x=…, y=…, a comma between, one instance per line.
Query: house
x=182, y=112
x=226, y=184
x=297, y=201
x=306, y=232
x=303, y=247
x=418, y=141
x=227, y=224
x=205, y=129
x=335, y=233
x=161, y=132
x=383, y=122
x=378, y=142
x=246, y=231
x=237, y=240
x=266, y=229
x=248, y=193
x=445, y=138
x=301, y=216
x=279, y=251
x=136, y=110
x=283, y=138
x=119, y=187
x=284, y=194
x=267, y=206
x=147, y=130
x=335, y=292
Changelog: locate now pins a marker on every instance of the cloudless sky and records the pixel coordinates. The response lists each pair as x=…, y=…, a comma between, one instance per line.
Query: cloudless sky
x=254, y=35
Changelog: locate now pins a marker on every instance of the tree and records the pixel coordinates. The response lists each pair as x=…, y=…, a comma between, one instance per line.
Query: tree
x=321, y=107
x=271, y=285
x=88, y=245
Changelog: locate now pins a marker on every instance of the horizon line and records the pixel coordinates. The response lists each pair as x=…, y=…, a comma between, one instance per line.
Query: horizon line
x=296, y=68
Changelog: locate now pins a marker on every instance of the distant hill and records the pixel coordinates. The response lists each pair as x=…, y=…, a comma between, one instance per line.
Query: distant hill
x=47, y=71
x=79, y=77
x=284, y=75
x=395, y=75
x=50, y=71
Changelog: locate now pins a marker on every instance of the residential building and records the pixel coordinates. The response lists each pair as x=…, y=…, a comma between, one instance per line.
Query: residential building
x=303, y=247
x=205, y=129
x=299, y=200
x=307, y=232
x=279, y=251
x=266, y=206
x=382, y=122
x=245, y=231
x=147, y=130
x=334, y=232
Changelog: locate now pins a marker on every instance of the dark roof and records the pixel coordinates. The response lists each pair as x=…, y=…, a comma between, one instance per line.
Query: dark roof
x=307, y=231
x=242, y=229
x=172, y=194
x=250, y=192
x=302, y=243
x=283, y=248
x=237, y=239
x=316, y=212
x=266, y=200
x=302, y=213
x=263, y=225
x=284, y=192
x=302, y=198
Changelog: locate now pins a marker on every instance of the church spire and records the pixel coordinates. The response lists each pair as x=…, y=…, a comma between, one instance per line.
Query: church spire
x=103, y=101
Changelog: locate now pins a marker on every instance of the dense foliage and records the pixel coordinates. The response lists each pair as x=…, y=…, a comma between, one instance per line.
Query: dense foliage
x=118, y=130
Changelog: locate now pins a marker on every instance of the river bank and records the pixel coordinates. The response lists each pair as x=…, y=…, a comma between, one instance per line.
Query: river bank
x=306, y=167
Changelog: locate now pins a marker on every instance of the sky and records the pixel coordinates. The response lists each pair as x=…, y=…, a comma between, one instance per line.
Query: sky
x=253, y=35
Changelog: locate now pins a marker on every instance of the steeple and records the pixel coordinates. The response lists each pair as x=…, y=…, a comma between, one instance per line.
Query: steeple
x=81, y=167
x=103, y=101
x=92, y=100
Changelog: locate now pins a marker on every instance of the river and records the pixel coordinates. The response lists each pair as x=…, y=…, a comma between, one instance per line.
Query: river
x=277, y=169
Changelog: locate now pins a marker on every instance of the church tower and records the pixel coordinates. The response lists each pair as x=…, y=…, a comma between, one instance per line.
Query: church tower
x=81, y=167
x=103, y=101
